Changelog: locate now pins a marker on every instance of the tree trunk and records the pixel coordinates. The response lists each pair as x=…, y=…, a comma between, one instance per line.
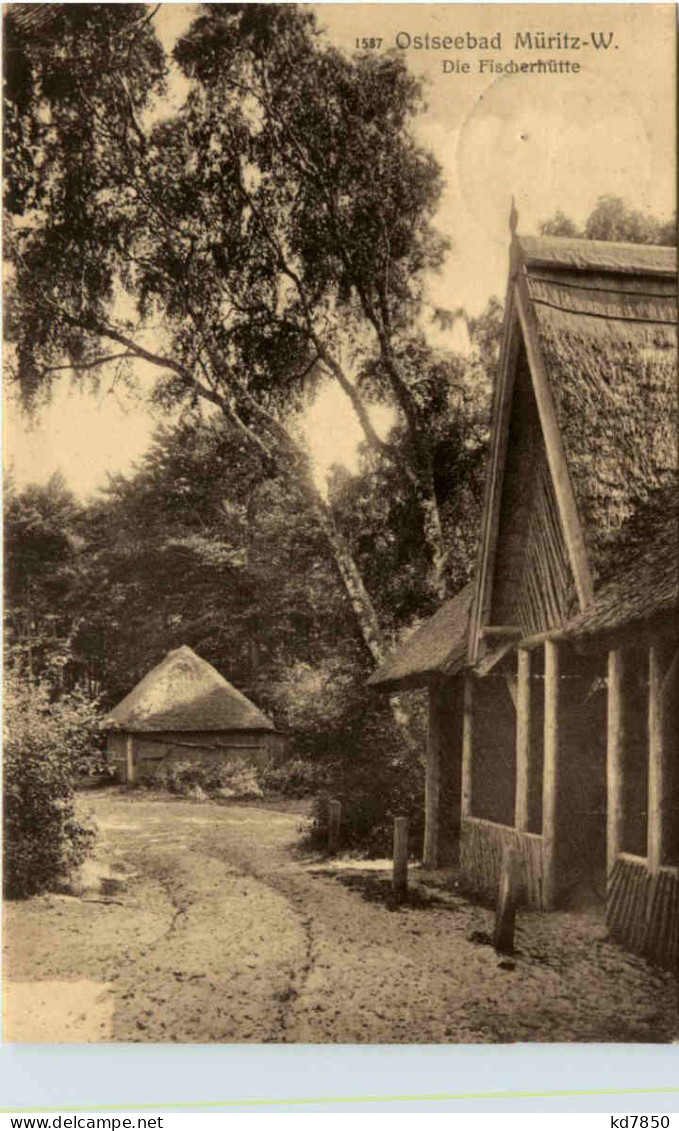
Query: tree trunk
x=361, y=603
x=433, y=534
x=360, y=600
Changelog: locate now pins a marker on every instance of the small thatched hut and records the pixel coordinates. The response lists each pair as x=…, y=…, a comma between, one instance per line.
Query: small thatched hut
x=569, y=722
x=185, y=710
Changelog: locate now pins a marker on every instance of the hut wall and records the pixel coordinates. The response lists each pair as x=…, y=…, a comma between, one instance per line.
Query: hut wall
x=450, y=703
x=150, y=750
x=581, y=812
x=494, y=750
x=116, y=750
x=635, y=695
x=537, y=738
x=582, y=804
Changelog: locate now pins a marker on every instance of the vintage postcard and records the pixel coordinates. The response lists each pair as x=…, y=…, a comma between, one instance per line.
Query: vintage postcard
x=340, y=523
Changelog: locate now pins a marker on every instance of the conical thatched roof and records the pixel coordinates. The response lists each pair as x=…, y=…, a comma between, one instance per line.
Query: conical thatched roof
x=185, y=693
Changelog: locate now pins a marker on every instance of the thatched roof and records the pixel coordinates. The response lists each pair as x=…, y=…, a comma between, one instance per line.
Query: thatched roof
x=597, y=255
x=643, y=591
x=437, y=648
x=185, y=693
x=607, y=325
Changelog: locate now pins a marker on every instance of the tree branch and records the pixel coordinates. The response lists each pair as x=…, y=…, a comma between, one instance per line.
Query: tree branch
x=86, y=365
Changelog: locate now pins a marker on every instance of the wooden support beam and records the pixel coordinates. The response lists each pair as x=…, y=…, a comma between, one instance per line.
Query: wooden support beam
x=615, y=759
x=512, y=687
x=467, y=747
x=512, y=631
x=523, y=743
x=432, y=785
x=129, y=760
x=659, y=770
x=530, y=643
x=551, y=775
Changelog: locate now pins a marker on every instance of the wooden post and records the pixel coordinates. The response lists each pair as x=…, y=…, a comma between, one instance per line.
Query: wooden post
x=129, y=759
x=615, y=759
x=467, y=747
x=524, y=768
x=432, y=786
x=658, y=759
x=334, y=820
x=551, y=774
x=400, y=877
x=508, y=898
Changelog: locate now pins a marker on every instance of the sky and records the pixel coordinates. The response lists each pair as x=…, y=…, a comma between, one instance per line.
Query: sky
x=552, y=142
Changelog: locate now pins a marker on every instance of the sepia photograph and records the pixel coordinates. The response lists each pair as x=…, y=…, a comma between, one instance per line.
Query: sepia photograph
x=341, y=570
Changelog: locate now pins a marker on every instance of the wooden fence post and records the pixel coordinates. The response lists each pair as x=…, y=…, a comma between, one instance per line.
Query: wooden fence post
x=334, y=822
x=508, y=898
x=400, y=878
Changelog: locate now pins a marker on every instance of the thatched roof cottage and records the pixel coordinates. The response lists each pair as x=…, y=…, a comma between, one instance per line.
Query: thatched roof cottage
x=184, y=709
x=567, y=735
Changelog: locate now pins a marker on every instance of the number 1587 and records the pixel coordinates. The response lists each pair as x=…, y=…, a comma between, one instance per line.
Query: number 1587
x=368, y=44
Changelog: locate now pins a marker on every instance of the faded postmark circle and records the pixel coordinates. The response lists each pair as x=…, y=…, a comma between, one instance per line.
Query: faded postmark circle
x=551, y=142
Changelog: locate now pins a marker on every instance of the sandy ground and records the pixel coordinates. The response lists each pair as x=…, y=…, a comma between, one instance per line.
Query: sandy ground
x=202, y=922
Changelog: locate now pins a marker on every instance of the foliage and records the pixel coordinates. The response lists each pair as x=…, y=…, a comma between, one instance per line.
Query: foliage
x=295, y=777
x=201, y=547
x=40, y=536
x=46, y=743
x=612, y=219
x=379, y=511
x=231, y=778
x=279, y=223
x=375, y=781
x=347, y=736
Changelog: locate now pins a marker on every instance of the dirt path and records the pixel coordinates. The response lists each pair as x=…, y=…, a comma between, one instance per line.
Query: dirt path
x=212, y=928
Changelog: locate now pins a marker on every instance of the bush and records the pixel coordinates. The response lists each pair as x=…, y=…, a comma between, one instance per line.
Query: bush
x=231, y=778
x=297, y=777
x=44, y=743
x=351, y=748
x=368, y=814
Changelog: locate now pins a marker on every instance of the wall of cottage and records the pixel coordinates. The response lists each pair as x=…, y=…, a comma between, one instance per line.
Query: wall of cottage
x=149, y=751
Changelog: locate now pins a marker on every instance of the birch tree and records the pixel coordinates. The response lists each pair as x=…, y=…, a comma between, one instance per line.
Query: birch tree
x=244, y=247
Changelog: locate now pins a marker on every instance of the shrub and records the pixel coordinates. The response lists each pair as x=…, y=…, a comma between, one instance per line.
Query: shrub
x=231, y=778
x=347, y=736
x=368, y=814
x=44, y=742
x=297, y=777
